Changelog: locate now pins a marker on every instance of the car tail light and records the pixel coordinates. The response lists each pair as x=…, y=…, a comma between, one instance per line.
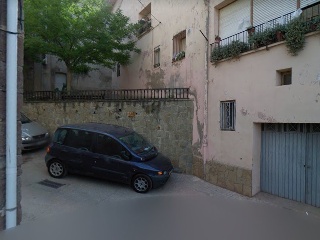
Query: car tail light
x=48, y=149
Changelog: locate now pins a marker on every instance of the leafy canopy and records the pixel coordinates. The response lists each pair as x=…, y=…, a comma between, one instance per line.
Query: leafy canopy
x=78, y=32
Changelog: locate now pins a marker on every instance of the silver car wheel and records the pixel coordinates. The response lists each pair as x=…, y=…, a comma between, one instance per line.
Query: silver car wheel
x=56, y=169
x=141, y=184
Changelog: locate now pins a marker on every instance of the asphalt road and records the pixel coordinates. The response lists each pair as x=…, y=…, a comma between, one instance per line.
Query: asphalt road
x=185, y=208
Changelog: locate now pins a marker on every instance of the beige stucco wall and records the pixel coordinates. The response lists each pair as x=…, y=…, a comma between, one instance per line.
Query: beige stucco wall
x=252, y=82
x=169, y=18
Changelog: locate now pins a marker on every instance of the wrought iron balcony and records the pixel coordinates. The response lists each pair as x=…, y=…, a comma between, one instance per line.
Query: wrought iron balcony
x=263, y=34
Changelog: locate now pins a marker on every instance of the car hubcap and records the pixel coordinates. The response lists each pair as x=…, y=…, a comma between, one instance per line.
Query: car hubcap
x=141, y=184
x=56, y=169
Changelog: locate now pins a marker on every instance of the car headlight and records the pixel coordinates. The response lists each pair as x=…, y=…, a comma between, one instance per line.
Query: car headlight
x=26, y=138
x=47, y=135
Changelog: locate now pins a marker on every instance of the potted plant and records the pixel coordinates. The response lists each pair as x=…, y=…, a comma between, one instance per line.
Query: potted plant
x=217, y=39
x=280, y=31
x=314, y=24
x=250, y=30
x=232, y=50
x=295, y=36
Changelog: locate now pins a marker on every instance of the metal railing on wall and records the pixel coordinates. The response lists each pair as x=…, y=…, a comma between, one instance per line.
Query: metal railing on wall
x=106, y=95
x=241, y=40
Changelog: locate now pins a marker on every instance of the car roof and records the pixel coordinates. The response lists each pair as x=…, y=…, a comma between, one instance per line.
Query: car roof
x=115, y=130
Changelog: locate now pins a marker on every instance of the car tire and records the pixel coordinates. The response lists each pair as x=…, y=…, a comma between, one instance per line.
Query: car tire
x=57, y=169
x=141, y=183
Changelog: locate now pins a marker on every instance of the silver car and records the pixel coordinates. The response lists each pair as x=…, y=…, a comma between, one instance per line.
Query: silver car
x=33, y=134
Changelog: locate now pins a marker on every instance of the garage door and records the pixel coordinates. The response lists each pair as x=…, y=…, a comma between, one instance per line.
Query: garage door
x=290, y=161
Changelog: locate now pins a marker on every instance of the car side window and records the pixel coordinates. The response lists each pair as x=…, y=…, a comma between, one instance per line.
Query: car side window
x=60, y=136
x=108, y=146
x=79, y=139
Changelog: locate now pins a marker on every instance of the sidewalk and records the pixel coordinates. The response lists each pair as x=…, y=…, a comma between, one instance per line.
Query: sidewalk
x=34, y=170
x=185, y=208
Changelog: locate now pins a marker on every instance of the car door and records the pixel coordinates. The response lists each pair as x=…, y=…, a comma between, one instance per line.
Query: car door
x=108, y=156
x=76, y=151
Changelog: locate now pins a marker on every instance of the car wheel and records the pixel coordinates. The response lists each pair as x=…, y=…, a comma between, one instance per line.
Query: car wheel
x=57, y=169
x=141, y=183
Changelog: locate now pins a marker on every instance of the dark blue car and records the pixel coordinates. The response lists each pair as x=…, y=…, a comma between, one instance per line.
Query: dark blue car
x=107, y=151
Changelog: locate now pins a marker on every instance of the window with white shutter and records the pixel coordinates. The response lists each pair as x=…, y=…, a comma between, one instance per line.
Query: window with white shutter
x=304, y=3
x=231, y=17
x=266, y=10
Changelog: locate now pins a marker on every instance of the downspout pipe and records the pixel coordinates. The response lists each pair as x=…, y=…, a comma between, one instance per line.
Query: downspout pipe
x=205, y=113
x=11, y=113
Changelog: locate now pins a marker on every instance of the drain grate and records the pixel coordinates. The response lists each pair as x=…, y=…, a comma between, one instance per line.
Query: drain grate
x=51, y=184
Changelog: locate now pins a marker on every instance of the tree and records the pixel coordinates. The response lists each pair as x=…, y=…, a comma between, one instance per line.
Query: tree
x=79, y=32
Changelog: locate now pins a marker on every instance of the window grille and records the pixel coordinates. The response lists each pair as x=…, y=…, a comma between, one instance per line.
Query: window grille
x=227, y=115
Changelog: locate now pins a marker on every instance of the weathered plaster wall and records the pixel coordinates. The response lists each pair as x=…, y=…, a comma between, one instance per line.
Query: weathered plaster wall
x=41, y=77
x=168, y=125
x=3, y=95
x=169, y=18
x=253, y=82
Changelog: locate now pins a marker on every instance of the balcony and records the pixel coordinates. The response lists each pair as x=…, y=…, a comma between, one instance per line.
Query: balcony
x=144, y=26
x=275, y=30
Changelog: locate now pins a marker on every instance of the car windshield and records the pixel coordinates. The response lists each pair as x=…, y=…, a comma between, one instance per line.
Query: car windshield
x=137, y=143
x=24, y=119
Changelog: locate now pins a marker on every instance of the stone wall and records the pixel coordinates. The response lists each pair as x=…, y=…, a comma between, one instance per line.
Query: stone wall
x=3, y=95
x=230, y=177
x=167, y=124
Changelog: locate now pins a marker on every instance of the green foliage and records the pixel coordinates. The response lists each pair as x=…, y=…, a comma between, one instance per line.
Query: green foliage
x=78, y=32
x=295, y=36
x=263, y=38
x=144, y=26
x=232, y=50
x=179, y=56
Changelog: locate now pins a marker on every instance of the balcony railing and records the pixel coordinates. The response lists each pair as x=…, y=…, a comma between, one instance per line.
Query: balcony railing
x=108, y=95
x=241, y=42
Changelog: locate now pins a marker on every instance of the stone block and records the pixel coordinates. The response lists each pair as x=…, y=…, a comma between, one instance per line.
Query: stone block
x=238, y=188
x=222, y=183
x=232, y=177
x=247, y=191
x=230, y=185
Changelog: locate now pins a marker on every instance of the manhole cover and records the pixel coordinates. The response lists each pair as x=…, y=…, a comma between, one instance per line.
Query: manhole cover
x=52, y=184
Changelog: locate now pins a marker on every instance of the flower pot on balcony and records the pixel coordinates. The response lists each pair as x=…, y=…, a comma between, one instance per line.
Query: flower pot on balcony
x=280, y=36
x=250, y=30
x=217, y=39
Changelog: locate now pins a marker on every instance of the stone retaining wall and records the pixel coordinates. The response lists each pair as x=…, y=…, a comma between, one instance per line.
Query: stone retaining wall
x=167, y=124
x=230, y=177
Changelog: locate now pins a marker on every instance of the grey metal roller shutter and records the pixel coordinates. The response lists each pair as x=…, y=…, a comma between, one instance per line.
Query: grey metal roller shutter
x=265, y=10
x=304, y=3
x=231, y=16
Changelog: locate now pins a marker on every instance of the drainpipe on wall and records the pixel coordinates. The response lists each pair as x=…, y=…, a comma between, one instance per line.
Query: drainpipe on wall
x=11, y=113
x=205, y=114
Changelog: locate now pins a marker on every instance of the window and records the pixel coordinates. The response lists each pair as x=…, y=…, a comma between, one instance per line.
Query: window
x=59, y=136
x=108, y=146
x=156, y=53
x=284, y=77
x=227, y=115
x=118, y=69
x=233, y=18
x=79, y=139
x=179, y=46
x=145, y=20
